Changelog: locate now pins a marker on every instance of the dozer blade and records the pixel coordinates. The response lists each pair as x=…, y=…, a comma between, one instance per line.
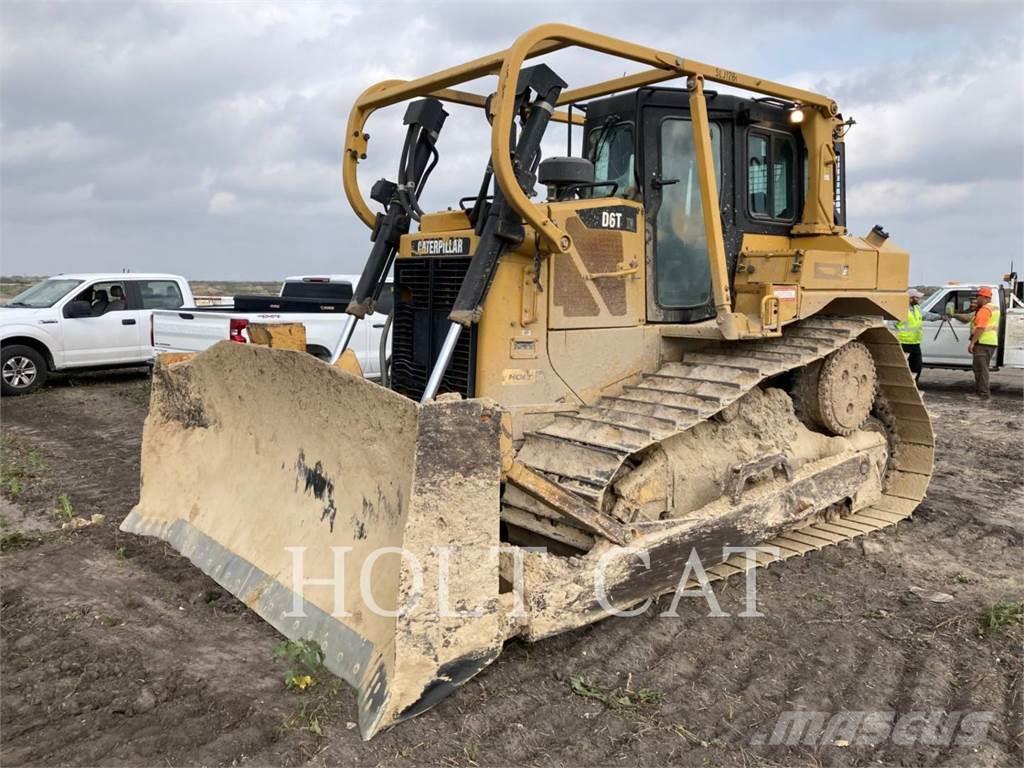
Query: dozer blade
x=337, y=510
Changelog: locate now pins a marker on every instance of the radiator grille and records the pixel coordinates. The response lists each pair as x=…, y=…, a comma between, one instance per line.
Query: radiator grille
x=425, y=290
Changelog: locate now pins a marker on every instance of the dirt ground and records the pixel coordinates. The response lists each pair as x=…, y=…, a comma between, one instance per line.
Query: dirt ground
x=116, y=651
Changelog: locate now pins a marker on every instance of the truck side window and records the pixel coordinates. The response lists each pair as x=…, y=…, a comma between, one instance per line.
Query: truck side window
x=160, y=294
x=104, y=297
x=961, y=302
x=954, y=302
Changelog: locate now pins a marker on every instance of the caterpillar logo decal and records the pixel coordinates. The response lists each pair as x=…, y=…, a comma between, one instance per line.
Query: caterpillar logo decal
x=441, y=246
x=618, y=217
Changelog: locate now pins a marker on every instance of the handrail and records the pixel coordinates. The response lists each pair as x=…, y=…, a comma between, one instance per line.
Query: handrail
x=507, y=64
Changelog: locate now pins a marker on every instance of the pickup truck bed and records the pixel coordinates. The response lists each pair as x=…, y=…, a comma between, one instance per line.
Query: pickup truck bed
x=193, y=329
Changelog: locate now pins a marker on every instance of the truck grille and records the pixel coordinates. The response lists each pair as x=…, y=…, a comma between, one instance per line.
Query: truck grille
x=425, y=290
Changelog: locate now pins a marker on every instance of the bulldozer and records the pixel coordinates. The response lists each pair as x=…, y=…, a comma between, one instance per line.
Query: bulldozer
x=656, y=361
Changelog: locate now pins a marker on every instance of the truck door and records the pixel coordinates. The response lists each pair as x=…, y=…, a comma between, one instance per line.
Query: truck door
x=945, y=338
x=112, y=335
x=147, y=295
x=1012, y=342
x=680, y=290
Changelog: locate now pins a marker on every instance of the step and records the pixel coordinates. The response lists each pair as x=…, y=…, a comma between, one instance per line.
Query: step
x=556, y=456
x=596, y=433
x=653, y=425
x=682, y=415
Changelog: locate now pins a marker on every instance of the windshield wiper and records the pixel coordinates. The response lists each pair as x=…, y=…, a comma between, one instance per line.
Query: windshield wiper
x=15, y=304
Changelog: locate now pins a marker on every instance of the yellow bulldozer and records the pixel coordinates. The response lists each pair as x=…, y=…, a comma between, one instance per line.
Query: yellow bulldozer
x=610, y=373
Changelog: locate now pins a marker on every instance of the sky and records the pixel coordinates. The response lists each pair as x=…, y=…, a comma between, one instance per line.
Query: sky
x=204, y=138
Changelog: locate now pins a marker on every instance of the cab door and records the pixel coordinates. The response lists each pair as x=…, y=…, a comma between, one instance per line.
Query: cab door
x=680, y=288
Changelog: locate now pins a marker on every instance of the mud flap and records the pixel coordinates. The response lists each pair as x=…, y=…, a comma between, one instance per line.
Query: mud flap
x=337, y=510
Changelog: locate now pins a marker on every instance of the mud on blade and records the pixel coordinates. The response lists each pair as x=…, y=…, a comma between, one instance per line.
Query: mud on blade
x=325, y=503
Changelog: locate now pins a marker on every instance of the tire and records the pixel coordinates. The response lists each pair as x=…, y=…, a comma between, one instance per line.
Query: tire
x=319, y=352
x=22, y=369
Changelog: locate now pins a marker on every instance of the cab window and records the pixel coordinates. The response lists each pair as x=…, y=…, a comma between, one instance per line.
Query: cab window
x=771, y=176
x=612, y=149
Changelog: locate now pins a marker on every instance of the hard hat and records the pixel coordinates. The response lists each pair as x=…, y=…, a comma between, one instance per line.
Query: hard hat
x=914, y=293
x=985, y=291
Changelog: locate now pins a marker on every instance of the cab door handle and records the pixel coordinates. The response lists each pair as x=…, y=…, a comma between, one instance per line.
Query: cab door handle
x=128, y=321
x=658, y=182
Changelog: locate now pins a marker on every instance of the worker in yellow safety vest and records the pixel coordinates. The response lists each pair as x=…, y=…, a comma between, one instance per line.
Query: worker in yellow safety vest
x=910, y=332
x=984, y=340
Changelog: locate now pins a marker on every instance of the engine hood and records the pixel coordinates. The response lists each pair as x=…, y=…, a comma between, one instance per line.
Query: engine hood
x=27, y=316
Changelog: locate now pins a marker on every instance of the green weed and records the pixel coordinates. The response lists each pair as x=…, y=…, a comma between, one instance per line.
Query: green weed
x=17, y=540
x=65, y=511
x=19, y=465
x=616, y=699
x=1002, y=614
x=314, y=711
x=138, y=392
x=305, y=661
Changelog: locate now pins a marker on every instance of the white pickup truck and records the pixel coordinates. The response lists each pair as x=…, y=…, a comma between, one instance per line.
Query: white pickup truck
x=81, y=321
x=318, y=302
x=944, y=341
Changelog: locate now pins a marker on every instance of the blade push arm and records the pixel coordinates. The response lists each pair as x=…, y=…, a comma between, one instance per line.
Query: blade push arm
x=502, y=226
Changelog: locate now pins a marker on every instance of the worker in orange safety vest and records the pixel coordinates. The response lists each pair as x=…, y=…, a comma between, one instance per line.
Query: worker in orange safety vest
x=984, y=340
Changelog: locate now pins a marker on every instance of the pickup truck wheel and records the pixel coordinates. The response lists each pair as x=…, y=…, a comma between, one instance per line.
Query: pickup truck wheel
x=22, y=370
x=319, y=352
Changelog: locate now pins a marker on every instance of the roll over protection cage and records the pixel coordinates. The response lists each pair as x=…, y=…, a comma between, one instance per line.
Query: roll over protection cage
x=424, y=119
x=819, y=129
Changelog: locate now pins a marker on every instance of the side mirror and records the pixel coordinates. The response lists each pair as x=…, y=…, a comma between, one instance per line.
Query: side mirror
x=77, y=308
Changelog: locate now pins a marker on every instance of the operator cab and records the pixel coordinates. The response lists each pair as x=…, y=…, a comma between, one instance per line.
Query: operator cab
x=641, y=145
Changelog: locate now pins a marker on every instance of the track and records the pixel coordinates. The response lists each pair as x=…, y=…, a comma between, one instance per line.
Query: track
x=586, y=452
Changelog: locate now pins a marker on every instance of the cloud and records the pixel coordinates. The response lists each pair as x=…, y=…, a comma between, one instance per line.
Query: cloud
x=915, y=197
x=52, y=142
x=180, y=136
x=222, y=203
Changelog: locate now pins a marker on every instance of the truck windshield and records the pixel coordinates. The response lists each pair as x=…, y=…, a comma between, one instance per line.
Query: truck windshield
x=612, y=151
x=44, y=294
